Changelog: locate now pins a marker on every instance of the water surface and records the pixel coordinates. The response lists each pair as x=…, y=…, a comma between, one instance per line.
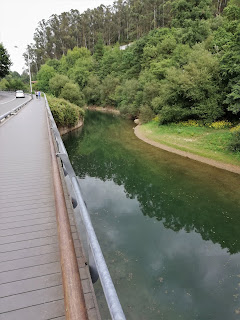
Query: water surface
x=168, y=226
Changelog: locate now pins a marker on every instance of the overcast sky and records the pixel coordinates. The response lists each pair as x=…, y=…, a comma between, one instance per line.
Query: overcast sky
x=19, y=19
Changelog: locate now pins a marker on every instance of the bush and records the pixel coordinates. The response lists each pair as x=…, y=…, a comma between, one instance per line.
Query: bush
x=57, y=83
x=191, y=123
x=127, y=97
x=92, y=91
x=44, y=75
x=72, y=93
x=65, y=114
x=107, y=91
x=234, y=144
x=236, y=128
x=146, y=114
x=173, y=114
x=220, y=124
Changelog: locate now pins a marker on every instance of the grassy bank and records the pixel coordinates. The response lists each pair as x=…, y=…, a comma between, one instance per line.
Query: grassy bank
x=202, y=141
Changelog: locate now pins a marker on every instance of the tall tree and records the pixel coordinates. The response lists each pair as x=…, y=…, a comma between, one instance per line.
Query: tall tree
x=5, y=61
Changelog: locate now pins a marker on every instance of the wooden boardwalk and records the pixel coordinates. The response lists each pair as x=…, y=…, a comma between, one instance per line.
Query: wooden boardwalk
x=30, y=270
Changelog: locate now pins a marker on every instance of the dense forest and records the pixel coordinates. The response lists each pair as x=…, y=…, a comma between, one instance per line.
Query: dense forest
x=182, y=62
x=123, y=22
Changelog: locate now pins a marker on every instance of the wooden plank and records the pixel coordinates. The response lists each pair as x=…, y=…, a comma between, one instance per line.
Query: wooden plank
x=26, y=199
x=31, y=272
x=29, y=262
x=29, y=252
x=27, y=285
x=28, y=236
x=32, y=243
x=32, y=208
x=24, y=188
x=16, y=222
x=31, y=298
x=29, y=205
x=27, y=229
x=33, y=212
x=35, y=243
x=46, y=311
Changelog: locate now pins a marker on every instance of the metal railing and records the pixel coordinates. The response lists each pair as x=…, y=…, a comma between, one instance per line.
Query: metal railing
x=13, y=111
x=97, y=264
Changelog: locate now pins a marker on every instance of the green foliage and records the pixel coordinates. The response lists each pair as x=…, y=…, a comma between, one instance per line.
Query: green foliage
x=111, y=62
x=79, y=75
x=233, y=98
x=234, y=145
x=234, y=3
x=13, y=81
x=65, y=114
x=220, y=125
x=72, y=93
x=92, y=91
x=76, y=54
x=191, y=16
x=190, y=70
x=107, y=91
x=4, y=84
x=173, y=114
x=53, y=63
x=127, y=96
x=193, y=88
x=5, y=61
x=99, y=48
x=146, y=114
x=232, y=12
x=44, y=75
x=57, y=83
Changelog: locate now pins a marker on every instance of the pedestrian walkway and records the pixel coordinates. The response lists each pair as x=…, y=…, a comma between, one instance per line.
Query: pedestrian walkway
x=30, y=270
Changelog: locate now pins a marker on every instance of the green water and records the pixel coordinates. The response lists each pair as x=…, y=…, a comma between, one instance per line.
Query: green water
x=169, y=227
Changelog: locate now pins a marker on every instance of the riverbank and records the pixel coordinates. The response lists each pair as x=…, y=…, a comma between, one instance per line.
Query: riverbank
x=101, y=109
x=64, y=130
x=149, y=137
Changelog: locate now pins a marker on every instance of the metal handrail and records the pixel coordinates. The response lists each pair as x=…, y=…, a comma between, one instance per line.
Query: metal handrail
x=5, y=115
x=97, y=264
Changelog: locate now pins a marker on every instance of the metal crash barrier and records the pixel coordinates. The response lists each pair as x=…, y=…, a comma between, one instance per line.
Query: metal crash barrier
x=97, y=264
x=13, y=111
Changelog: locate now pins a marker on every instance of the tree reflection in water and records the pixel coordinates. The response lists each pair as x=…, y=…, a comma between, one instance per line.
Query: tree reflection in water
x=181, y=193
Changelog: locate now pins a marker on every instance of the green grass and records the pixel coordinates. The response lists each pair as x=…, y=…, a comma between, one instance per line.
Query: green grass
x=203, y=141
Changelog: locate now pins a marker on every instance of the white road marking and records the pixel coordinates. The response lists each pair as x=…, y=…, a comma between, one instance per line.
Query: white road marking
x=7, y=101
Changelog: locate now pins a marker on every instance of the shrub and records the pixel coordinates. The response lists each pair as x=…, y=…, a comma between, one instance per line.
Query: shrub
x=92, y=91
x=146, y=114
x=191, y=123
x=236, y=128
x=44, y=75
x=220, y=124
x=234, y=144
x=72, y=93
x=173, y=114
x=65, y=114
x=57, y=83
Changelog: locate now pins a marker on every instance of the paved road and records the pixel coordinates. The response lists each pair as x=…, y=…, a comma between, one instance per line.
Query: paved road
x=8, y=101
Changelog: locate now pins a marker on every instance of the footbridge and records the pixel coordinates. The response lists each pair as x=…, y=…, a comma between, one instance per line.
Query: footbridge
x=49, y=253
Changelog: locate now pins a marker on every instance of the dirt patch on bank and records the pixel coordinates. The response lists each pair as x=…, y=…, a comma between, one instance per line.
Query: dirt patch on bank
x=214, y=163
x=106, y=109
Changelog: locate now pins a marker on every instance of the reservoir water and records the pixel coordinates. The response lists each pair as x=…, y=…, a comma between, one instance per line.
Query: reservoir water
x=169, y=227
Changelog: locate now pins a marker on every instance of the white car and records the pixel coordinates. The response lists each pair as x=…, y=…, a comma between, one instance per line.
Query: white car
x=20, y=94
